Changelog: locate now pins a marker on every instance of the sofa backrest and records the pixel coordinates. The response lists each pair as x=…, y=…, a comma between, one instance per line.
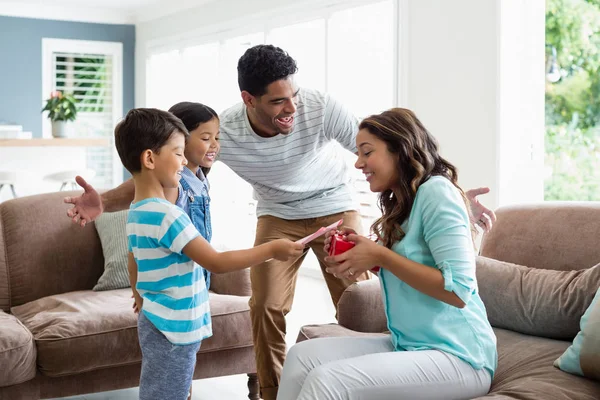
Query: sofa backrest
x=42, y=252
x=550, y=235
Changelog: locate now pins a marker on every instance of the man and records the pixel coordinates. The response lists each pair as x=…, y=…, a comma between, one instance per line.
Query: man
x=279, y=139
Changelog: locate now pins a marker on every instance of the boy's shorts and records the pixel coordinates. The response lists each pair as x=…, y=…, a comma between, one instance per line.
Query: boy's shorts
x=167, y=369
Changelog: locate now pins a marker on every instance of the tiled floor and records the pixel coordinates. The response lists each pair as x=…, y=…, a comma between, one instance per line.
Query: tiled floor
x=312, y=304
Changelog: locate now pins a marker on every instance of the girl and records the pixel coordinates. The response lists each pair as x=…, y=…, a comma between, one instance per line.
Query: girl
x=201, y=151
x=441, y=345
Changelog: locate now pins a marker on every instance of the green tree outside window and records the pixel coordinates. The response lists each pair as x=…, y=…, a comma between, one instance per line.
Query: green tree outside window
x=572, y=141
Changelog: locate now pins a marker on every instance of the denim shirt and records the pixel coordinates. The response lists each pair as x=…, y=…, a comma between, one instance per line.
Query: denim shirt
x=193, y=198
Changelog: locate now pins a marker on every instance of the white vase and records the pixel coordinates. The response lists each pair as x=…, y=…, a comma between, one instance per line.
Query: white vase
x=59, y=129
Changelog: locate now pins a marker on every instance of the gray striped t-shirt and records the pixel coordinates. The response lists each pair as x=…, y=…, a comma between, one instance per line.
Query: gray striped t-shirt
x=300, y=175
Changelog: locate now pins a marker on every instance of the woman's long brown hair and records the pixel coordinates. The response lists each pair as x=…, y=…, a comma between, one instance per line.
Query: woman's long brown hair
x=418, y=159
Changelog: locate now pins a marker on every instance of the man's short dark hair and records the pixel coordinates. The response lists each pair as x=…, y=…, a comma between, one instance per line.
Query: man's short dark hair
x=143, y=129
x=262, y=65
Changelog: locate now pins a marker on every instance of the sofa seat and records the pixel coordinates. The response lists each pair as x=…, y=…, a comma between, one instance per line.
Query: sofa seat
x=17, y=352
x=331, y=330
x=82, y=331
x=525, y=365
x=526, y=372
x=85, y=330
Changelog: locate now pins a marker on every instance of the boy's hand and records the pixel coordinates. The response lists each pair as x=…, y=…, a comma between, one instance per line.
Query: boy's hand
x=284, y=249
x=87, y=207
x=137, y=303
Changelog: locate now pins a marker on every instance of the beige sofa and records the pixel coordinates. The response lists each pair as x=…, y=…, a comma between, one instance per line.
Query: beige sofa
x=552, y=236
x=59, y=338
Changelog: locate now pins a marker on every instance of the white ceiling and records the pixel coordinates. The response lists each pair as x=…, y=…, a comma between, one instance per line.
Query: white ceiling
x=110, y=4
x=104, y=11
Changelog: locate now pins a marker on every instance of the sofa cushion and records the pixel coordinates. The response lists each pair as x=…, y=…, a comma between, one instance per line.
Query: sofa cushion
x=525, y=370
x=583, y=356
x=231, y=324
x=82, y=331
x=537, y=302
x=113, y=236
x=331, y=330
x=86, y=330
x=17, y=351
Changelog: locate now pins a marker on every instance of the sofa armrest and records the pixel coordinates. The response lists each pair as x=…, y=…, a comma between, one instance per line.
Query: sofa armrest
x=236, y=283
x=17, y=351
x=361, y=308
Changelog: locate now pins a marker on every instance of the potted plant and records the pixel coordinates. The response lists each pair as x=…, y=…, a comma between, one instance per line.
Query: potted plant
x=61, y=109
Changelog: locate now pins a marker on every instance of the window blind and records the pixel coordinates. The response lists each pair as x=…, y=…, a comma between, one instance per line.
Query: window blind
x=88, y=77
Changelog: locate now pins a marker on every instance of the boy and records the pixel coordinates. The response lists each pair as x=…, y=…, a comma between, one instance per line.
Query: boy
x=164, y=252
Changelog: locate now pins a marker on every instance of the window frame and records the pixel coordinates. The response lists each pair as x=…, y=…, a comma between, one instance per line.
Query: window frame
x=115, y=50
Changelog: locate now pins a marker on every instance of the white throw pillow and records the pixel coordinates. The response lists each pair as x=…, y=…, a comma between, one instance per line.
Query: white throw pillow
x=111, y=229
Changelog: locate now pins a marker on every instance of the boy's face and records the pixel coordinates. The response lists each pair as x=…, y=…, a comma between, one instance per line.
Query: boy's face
x=169, y=162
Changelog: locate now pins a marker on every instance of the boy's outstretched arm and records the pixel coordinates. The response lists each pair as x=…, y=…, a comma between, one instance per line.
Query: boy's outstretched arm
x=132, y=268
x=204, y=254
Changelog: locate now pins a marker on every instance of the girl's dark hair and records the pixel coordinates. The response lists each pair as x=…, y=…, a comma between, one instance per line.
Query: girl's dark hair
x=192, y=115
x=143, y=129
x=418, y=159
x=262, y=65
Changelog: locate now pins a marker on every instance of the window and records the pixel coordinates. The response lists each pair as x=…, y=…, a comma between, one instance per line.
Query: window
x=92, y=72
x=347, y=51
x=572, y=140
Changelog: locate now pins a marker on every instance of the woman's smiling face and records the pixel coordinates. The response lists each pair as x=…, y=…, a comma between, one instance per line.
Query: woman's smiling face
x=376, y=161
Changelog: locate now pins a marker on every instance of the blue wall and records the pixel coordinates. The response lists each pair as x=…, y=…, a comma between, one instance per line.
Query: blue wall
x=21, y=97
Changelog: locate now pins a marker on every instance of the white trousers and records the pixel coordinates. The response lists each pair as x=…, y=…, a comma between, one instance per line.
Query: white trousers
x=356, y=368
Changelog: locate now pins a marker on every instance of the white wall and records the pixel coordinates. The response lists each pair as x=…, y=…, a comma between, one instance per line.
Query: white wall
x=522, y=98
x=475, y=77
x=453, y=64
x=472, y=71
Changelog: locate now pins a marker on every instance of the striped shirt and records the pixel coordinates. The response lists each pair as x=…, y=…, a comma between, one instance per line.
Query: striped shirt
x=300, y=175
x=171, y=284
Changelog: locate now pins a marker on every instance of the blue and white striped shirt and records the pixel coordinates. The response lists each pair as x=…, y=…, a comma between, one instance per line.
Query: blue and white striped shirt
x=171, y=284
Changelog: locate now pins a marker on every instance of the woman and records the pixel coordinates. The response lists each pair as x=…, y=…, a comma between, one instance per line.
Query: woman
x=441, y=344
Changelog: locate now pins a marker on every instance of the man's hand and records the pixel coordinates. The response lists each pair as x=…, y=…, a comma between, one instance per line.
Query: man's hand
x=480, y=214
x=87, y=207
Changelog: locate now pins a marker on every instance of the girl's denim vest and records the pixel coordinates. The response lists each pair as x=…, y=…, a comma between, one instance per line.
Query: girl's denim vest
x=200, y=215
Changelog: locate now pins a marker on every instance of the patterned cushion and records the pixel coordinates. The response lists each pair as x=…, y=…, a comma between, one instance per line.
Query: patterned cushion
x=583, y=356
x=111, y=229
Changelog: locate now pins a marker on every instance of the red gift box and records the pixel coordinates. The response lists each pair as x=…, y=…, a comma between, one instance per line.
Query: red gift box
x=338, y=245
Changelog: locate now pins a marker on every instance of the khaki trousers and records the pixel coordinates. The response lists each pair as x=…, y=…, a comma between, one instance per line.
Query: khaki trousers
x=273, y=286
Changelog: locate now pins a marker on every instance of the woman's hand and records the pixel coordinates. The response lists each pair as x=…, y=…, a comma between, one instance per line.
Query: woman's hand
x=362, y=257
x=329, y=234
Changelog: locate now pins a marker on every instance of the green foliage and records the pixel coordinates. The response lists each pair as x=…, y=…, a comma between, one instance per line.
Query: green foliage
x=61, y=107
x=573, y=103
x=88, y=83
